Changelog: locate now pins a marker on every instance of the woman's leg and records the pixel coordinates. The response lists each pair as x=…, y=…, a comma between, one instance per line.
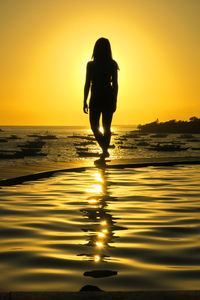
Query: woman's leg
x=94, y=123
x=106, y=120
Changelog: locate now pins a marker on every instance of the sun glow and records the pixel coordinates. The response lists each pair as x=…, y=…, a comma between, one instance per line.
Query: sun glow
x=43, y=77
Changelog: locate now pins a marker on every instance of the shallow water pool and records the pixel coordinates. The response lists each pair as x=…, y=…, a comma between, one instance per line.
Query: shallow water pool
x=130, y=229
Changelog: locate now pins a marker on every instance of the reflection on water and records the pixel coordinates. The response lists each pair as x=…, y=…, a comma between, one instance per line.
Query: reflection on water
x=101, y=231
x=130, y=229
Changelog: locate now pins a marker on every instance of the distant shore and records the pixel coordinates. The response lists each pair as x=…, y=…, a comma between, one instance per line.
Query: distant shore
x=172, y=126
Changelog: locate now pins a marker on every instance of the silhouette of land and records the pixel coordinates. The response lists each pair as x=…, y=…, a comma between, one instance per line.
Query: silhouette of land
x=172, y=126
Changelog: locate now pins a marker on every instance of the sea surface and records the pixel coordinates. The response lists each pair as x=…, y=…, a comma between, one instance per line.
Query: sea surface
x=64, y=143
x=130, y=229
x=118, y=230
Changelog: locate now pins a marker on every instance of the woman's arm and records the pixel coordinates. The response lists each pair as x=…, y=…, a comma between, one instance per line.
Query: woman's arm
x=86, y=88
x=115, y=85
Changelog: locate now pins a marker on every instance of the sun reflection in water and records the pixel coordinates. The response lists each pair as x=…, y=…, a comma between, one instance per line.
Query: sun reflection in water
x=98, y=177
x=92, y=201
x=97, y=258
x=101, y=235
x=99, y=244
x=103, y=222
x=96, y=188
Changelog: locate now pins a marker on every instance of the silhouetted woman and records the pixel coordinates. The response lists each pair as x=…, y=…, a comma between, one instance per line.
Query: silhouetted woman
x=101, y=77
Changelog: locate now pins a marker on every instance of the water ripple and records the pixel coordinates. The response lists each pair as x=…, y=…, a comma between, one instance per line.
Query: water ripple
x=141, y=225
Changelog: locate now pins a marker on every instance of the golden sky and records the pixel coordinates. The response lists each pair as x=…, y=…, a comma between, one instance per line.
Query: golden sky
x=45, y=45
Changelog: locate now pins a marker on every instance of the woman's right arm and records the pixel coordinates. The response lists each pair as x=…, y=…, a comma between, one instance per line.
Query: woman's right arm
x=87, y=87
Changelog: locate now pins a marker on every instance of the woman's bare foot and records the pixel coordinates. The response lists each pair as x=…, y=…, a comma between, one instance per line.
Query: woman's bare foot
x=104, y=154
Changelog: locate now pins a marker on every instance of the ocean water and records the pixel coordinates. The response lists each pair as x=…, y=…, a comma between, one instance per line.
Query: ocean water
x=130, y=229
x=63, y=145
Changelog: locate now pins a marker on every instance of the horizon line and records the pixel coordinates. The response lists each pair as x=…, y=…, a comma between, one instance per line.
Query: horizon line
x=125, y=125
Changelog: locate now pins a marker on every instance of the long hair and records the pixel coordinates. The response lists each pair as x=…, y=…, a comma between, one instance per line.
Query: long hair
x=102, y=50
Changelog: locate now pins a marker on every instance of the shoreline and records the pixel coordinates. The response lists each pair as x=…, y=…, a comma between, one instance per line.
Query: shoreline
x=17, y=175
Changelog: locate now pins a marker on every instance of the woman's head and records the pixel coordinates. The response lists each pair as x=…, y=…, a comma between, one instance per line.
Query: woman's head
x=102, y=50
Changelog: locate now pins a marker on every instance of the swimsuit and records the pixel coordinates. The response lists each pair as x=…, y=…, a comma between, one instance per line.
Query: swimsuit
x=102, y=97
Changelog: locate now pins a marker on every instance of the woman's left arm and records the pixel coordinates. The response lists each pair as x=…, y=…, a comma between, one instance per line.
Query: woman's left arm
x=115, y=85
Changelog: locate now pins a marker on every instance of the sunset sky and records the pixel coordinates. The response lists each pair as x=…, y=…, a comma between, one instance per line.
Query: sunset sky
x=45, y=45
